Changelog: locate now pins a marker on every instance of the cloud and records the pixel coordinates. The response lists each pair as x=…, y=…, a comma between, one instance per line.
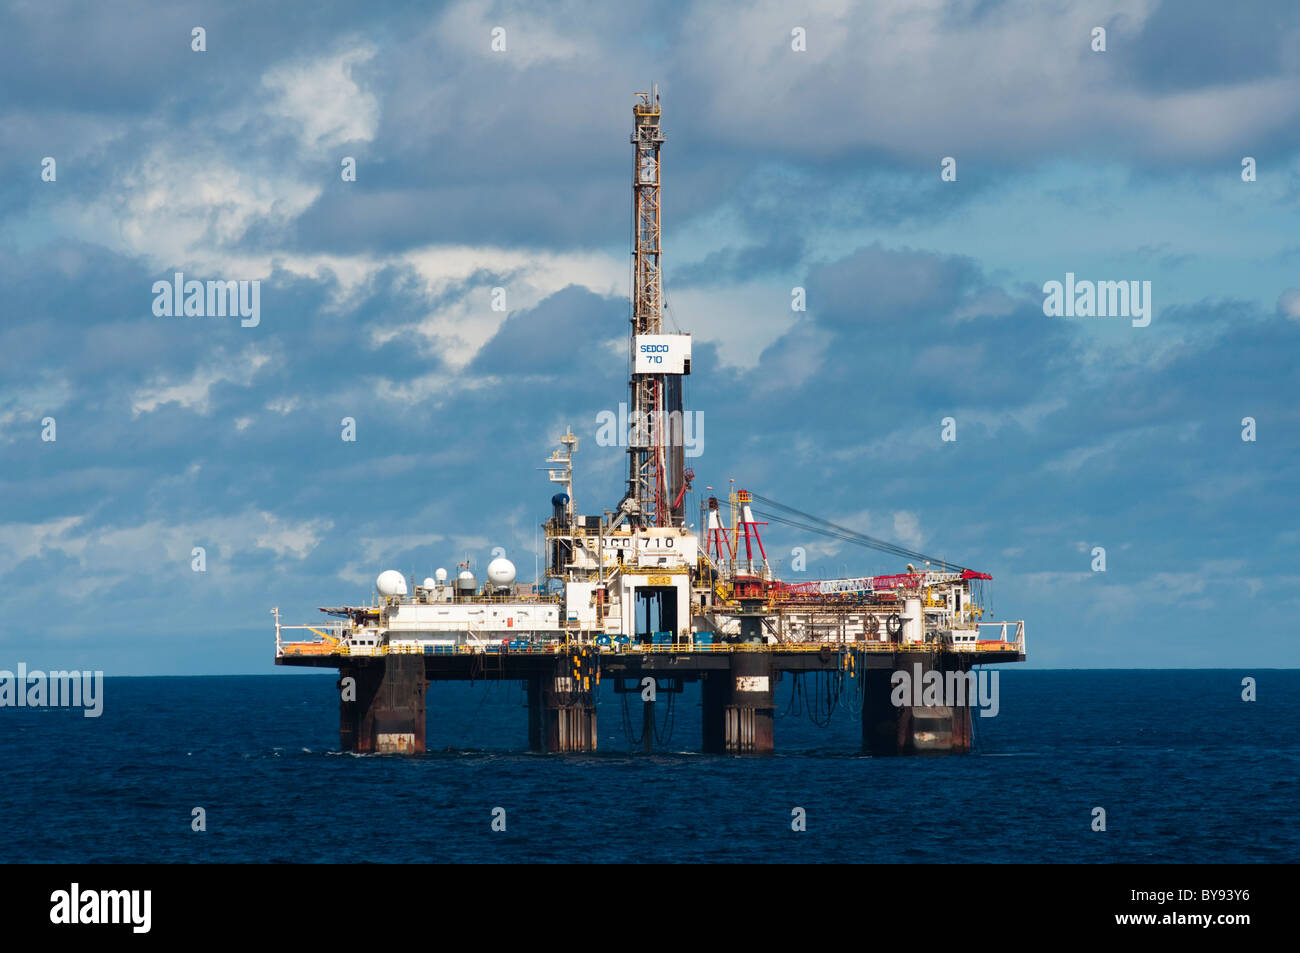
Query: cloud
x=291, y=539
x=191, y=208
x=907, y=530
x=379, y=553
x=196, y=392
x=1028, y=84
x=891, y=286
x=480, y=170
x=1288, y=304
x=156, y=547
x=26, y=405
x=570, y=327
x=529, y=40
x=323, y=100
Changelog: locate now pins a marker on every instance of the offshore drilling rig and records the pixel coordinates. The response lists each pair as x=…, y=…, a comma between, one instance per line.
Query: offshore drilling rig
x=637, y=596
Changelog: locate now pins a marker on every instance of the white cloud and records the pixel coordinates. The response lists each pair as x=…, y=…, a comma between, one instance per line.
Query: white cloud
x=529, y=39
x=191, y=200
x=22, y=541
x=1073, y=460
x=907, y=529
x=1288, y=304
x=196, y=392
x=186, y=208
x=323, y=100
x=29, y=405
x=283, y=405
x=1197, y=587
x=379, y=553
x=435, y=388
x=909, y=443
x=295, y=539
x=918, y=77
x=459, y=329
x=762, y=308
x=159, y=549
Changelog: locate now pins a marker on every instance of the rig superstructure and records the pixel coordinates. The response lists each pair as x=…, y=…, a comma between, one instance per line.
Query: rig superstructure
x=637, y=595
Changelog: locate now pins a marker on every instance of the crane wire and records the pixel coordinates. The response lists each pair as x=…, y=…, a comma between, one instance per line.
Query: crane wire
x=798, y=519
x=825, y=697
x=670, y=722
x=662, y=736
x=635, y=740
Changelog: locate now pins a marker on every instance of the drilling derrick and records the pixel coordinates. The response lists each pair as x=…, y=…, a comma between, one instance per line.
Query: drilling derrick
x=656, y=453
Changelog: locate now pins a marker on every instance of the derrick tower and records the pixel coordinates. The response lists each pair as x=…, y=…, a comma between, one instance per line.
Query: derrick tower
x=657, y=479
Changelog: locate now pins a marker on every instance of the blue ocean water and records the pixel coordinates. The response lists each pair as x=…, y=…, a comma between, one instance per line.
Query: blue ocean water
x=1186, y=771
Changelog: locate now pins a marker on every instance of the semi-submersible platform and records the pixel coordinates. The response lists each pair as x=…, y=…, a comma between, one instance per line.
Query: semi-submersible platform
x=638, y=596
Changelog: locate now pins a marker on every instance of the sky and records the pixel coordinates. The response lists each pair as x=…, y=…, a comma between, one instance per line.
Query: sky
x=805, y=148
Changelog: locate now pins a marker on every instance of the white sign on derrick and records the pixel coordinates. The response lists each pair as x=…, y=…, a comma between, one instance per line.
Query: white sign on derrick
x=662, y=354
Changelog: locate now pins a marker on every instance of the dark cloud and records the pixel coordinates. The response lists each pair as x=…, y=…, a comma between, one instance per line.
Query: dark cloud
x=890, y=289
x=1197, y=44
x=569, y=333
x=729, y=265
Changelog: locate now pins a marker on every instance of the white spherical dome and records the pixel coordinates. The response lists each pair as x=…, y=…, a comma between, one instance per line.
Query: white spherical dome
x=501, y=571
x=428, y=582
x=391, y=583
x=440, y=575
x=466, y=580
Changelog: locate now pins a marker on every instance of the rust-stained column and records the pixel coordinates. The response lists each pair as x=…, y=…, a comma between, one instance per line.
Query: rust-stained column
x=739, y=705
x=562, y=705
x=383, y=710
x=891, y=728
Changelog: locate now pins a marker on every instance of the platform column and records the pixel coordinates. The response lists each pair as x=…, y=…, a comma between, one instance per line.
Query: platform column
x=562, y=706
x=892, y=729
x=382, y=711
x=648, y=725
x=739, y=705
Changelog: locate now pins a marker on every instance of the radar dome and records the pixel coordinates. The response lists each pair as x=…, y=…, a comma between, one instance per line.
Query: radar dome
x=428, y=583
x=501, y=572
x=440, y=575
x=466, y=581
x=391, y=583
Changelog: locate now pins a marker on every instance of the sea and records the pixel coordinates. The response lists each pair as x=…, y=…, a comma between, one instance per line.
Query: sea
x=247, y=769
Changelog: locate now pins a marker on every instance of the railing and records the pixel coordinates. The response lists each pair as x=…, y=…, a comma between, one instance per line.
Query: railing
x=331, y=644
x=554, y=648
x=1018, y=644
x=877, y=647
x=475, y=637
x=331, y=633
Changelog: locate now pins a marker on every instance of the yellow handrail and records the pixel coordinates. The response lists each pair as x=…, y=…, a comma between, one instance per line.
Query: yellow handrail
x=636, y=648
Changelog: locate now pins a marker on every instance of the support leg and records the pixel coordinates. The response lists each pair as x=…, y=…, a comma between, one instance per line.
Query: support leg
x=739, y=706
x=893, y=723
x=562, y=709
x=382, y=705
